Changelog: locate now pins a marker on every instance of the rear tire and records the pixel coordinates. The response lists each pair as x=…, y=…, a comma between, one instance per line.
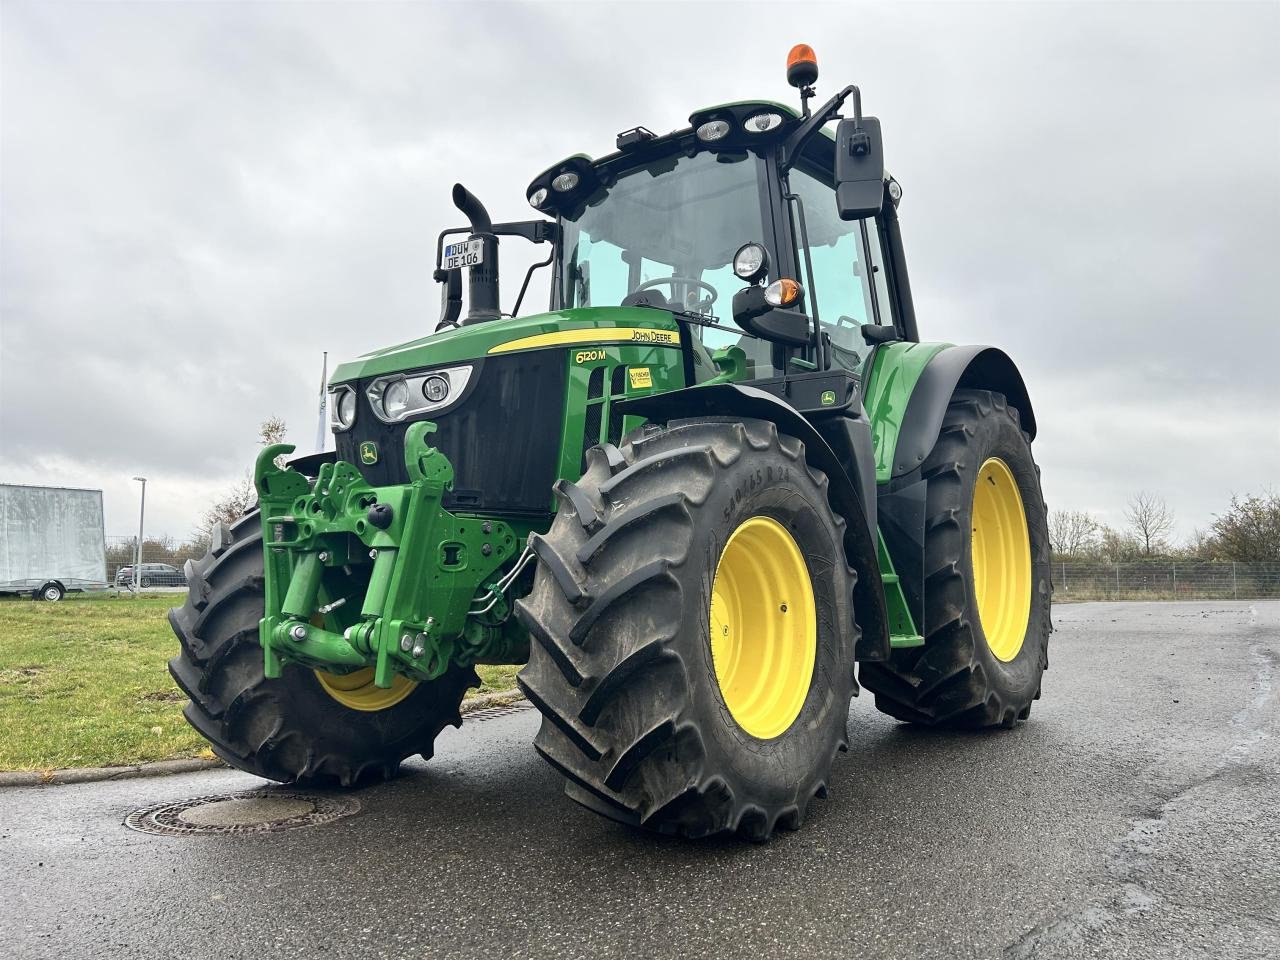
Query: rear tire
x=289, y=729
x=957, y=679
x=637, y=714
x=51, y=592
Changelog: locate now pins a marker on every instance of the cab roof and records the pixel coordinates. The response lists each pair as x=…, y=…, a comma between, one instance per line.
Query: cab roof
x=639, y=145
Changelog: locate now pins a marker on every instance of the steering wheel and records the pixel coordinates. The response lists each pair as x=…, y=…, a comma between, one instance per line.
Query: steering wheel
x=672, y=281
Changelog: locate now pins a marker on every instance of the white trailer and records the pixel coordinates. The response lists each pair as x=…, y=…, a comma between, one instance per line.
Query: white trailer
x=51, y=541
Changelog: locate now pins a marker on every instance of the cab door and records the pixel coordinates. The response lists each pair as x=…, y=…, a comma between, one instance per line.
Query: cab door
x=849, y=287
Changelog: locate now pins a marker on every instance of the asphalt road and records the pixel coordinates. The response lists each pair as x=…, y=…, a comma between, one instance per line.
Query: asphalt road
x=1136, y=815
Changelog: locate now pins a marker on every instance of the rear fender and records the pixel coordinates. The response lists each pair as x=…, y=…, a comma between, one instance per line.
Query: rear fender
x=734, y=400
x=903, y=491
x=951, y=369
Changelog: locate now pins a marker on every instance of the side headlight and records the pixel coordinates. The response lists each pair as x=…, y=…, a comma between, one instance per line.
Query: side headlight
x=342, y=408
x=402, y=395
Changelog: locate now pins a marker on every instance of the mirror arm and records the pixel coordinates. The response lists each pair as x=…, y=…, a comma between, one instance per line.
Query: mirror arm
x=515, y=311
x=792, y=146
x=535, y=231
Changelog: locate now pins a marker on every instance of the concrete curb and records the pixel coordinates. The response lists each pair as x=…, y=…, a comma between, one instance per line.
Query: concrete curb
x=158, y=768
x=161, y=768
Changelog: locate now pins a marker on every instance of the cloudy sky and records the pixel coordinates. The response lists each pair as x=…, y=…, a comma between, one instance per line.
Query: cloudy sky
x=196, y=200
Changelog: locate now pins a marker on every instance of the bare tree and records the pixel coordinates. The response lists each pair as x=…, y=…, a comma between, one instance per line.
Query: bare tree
x=237, y=501
x=1250, y=529
x=1074, y=533
x=231, y=506
x=272, y=430
x=1118, y=546
x=1151, y=521
x=1201, y=545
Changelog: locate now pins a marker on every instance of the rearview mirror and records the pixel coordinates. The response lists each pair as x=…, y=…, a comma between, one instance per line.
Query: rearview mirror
x=859, y=168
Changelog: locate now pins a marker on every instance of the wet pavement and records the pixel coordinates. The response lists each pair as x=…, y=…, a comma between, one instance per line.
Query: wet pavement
x=1137, y=814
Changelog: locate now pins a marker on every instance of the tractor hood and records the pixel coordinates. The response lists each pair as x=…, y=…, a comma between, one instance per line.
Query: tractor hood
x=560, y=328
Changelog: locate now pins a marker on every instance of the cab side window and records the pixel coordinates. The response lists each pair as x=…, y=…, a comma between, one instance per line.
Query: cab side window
x=844, y=269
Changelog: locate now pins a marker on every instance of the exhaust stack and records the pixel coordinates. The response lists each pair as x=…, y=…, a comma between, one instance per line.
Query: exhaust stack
x=482, y=283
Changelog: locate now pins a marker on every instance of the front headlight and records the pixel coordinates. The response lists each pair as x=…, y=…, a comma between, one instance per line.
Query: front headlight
x=400, y=396
x=342, y=408
x=395, y=399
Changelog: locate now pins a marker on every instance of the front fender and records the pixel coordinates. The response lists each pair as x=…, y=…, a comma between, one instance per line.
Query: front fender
x=738, y=401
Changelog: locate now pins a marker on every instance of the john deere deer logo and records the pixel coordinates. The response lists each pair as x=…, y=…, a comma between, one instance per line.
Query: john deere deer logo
x=368, y=453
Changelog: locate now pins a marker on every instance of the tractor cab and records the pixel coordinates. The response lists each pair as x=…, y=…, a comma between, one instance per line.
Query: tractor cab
x=682, y=222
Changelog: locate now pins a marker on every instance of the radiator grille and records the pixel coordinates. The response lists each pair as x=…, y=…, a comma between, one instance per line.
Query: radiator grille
x=502, y=437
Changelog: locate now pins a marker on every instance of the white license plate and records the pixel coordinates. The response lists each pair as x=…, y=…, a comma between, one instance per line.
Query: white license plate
x=467, y=253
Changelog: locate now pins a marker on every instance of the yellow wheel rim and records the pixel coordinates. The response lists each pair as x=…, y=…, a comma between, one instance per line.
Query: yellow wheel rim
x=1001, y=550
x=357, y=690
x=764, y=627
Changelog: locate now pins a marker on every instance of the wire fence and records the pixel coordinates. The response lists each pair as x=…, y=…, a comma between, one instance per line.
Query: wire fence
x=1166, y=580
x=163, y=562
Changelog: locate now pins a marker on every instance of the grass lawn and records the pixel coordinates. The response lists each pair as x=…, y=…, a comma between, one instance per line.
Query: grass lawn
x=83, y=683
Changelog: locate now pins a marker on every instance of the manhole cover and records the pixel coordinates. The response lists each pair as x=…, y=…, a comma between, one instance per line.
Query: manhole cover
x=258, y=811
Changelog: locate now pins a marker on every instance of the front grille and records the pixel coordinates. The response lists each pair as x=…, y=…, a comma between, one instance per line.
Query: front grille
x=502, y=437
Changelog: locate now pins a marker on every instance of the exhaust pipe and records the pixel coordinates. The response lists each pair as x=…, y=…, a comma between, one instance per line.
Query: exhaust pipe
x=482, y=283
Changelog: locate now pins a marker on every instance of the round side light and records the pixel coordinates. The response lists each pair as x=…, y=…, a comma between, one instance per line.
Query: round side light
x=538, y=197
x=751, y=262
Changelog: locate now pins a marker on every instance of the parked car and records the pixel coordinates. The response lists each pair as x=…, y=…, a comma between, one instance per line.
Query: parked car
x=152, y=575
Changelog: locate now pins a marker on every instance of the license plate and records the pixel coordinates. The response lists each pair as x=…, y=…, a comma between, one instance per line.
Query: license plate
x=467, y=253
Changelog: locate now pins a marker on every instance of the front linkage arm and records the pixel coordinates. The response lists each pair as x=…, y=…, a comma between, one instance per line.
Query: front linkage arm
x=419, y=565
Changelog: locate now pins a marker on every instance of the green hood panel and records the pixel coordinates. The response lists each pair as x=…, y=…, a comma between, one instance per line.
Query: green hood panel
x=642, y=325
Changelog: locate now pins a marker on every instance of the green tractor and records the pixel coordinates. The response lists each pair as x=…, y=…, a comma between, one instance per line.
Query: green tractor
x=718, y=473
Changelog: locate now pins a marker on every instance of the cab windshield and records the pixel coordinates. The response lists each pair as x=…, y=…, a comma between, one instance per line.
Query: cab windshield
x=672, y=228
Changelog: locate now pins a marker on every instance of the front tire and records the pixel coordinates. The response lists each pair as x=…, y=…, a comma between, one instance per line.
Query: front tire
x=298, y=728
x=705, y=524
x=987, y=583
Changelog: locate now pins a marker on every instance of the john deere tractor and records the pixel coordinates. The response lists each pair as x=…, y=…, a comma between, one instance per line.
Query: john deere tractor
x=720, y=474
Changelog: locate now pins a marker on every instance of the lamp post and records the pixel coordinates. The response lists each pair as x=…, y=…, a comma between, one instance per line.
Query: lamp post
x=142, y=514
